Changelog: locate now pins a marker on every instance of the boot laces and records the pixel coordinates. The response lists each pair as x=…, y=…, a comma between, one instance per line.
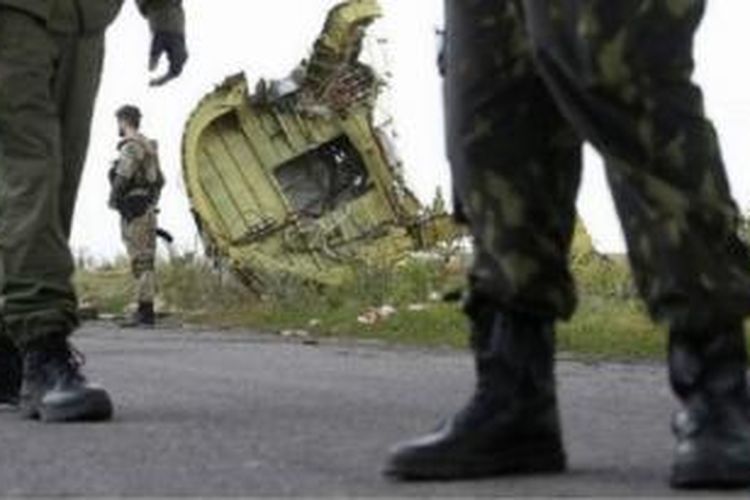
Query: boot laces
x=68, y=362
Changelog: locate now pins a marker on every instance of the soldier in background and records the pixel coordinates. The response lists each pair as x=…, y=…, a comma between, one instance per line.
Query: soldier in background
x=51, y=54
x=527, y=82
x=137, y=181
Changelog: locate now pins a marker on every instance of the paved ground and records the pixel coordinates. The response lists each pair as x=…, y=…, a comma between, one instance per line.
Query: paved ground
x=240, y=415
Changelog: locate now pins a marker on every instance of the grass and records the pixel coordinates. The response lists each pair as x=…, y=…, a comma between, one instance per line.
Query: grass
x=188, y=286
x=610, y=324
x=108, y=289
x=612, y=329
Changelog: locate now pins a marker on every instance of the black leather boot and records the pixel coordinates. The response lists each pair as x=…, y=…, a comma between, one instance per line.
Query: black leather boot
x=143, y=317
x=511, y=424
x=709, y=375
x=146, y=314
x=10, y=372
x=54, y=390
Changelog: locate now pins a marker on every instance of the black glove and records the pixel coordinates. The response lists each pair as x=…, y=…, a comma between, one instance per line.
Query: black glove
x=174, y=46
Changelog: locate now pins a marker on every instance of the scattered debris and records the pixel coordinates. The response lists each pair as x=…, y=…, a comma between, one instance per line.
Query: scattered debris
x=376, y=314
x=300, y=180
x=299, y=334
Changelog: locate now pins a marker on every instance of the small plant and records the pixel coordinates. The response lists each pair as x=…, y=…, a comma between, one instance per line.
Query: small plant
x=395, y=304
x=191, y=284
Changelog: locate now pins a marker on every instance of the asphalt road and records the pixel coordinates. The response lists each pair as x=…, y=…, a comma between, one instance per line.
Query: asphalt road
x=235, y=414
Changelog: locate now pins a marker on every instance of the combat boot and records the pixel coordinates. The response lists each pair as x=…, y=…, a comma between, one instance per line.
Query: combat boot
x=10, y=372
x=709, y=375
x=55, y=390
x=148, y=317
x=144, y=317
x=511, y=425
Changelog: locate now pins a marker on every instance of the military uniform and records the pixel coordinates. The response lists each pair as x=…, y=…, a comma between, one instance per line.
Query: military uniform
x=140, y=180
x=527, y=82
x=51, y=55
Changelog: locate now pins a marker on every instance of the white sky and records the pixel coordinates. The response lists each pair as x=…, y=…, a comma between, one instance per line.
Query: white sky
x=229, y=36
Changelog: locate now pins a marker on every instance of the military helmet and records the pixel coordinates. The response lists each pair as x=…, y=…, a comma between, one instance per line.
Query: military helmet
x=130, y=114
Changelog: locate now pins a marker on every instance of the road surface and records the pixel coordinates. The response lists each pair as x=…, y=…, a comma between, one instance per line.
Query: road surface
x=238, y=414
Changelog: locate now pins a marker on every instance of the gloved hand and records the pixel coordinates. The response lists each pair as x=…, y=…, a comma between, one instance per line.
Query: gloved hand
x=174, y=47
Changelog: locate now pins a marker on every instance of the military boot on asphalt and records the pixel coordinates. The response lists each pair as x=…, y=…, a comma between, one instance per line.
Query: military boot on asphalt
x=54, y=390
x=511, y=424
x=144, y=317
x=709, y=375
x=10, y=372
x=146, y=313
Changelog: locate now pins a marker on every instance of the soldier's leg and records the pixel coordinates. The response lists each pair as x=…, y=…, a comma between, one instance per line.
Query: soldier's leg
x=622, y=73
x=626, y=85
x=126, y=232
x=146, y=262
x=75, y=93
x=140, y=240
x=39, y=303
x=516, y=167
x=146, y=285
x=516, y=162
x=11, y=79
x=38, y=298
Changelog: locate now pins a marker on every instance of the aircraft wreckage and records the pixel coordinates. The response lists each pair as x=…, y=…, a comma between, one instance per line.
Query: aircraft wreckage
x=295, y=179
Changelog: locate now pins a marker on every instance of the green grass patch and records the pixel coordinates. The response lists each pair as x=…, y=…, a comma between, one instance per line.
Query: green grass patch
x=611, y=322
x=108, y=289
x=612, y=328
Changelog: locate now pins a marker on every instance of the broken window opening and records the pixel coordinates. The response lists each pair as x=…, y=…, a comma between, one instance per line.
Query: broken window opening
x=323, y=179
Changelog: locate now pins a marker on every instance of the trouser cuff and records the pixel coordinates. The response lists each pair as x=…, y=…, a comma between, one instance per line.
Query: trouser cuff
x=41, y=326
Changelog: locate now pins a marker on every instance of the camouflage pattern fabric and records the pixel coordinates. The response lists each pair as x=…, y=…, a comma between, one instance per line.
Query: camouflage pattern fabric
x=138, y=169
x=139, y=236
x=527, y=82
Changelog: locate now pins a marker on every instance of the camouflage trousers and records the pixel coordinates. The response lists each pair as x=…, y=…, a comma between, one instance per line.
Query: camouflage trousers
x=527, y=82
x=139, y=236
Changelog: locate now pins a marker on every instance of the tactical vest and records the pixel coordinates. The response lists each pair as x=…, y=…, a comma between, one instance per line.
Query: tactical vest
x=70, y=16
x=148, y=178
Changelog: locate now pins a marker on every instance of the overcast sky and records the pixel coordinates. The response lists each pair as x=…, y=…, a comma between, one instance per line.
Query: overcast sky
x=229, y=36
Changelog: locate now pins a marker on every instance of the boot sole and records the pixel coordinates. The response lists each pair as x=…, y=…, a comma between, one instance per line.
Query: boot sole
x=525, y=461
x=710, y=476
x=97, y=407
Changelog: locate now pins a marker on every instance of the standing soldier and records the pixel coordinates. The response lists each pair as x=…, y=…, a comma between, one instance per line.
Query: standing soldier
x=137, y=181
x=51, y=54
x=527, y=82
